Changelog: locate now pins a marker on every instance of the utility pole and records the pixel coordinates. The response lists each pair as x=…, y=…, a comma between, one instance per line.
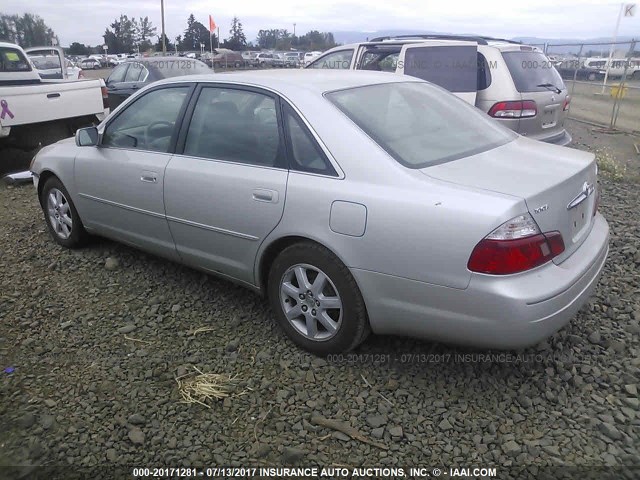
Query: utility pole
x=294, y=29
x=164, y=44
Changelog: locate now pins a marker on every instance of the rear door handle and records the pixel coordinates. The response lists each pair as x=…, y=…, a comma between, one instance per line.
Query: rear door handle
x=149, y=177
x=264, y=195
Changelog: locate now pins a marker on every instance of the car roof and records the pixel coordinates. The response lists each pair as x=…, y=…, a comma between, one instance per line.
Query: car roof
x=287, y=82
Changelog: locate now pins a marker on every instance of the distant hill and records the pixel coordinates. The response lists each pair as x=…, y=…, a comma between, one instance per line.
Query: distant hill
x=353, y=37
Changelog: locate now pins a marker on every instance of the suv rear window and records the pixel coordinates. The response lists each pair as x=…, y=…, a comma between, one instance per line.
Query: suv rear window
x=12, y=60
x=452, y=67
x=529, y=70
x=418, y=124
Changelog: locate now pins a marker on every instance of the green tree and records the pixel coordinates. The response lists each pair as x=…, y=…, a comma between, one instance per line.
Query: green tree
x=169, y=46
x=145, y=32
x=195, y=34
x=122, y=36
x=237, y=40
x=27, y=30
x=78, y=49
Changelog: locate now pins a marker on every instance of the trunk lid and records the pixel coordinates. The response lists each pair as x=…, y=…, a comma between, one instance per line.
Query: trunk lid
x=558, y=184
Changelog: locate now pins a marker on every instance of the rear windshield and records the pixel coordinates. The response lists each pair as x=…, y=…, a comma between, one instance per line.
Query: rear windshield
x=177, y=67
x=531, y=71
x=452, y=67
x=12, y=60
x=420, y=124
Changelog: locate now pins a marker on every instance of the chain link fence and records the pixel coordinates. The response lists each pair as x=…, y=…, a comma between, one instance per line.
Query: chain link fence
x=604, y=83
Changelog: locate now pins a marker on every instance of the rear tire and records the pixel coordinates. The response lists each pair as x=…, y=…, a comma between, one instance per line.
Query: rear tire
x=332, y=316
x=61, y=215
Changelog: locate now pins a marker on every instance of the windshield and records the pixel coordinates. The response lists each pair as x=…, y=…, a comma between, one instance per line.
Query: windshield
x=532, y=71
x=420, y=124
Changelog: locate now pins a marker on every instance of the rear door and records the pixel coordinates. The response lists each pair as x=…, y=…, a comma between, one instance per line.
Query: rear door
x=451, y=64
x=536, y=79
x=225, y=192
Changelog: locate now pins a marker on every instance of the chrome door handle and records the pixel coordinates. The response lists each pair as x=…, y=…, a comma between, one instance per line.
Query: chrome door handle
x=149, y=178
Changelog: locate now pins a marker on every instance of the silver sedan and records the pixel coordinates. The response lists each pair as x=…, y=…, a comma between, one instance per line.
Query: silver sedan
x=356, y=201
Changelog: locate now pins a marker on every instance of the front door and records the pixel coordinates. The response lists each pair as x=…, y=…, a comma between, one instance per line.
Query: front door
x=120, y=182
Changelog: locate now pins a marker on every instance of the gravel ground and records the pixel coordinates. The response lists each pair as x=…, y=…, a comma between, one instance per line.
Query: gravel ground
x=96, y=338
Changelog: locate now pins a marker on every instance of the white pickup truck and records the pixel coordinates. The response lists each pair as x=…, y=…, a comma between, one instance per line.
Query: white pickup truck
x=35, y=112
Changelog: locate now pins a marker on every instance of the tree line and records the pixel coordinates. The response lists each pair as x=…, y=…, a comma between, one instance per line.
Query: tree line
x=129, y=34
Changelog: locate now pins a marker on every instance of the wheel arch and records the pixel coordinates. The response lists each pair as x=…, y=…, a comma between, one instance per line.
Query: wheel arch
x=274, y=247
x=44, y=176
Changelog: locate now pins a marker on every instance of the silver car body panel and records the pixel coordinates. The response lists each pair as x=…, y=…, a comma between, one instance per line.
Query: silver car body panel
x=405, y=234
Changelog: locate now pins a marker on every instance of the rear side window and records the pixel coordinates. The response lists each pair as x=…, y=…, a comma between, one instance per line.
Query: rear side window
x=532, y=71
x=306, y=154
x=451, y=67
x=133, y=74
x=118, y=74
x=484, y=72
x=12, y=60
x=336, y=61
x=236, y=126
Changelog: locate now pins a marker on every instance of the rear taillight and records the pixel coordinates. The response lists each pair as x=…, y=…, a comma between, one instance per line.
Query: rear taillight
x=565, y=105
x=105, y=97
x=596, y=204
x=517, y=109
x=515, y=246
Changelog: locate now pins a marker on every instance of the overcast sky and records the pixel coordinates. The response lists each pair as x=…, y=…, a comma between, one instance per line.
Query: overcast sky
x=85, y=20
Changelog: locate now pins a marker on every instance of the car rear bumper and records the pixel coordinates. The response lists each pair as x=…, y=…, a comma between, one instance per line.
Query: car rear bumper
x=563, y=138
x=512, y=311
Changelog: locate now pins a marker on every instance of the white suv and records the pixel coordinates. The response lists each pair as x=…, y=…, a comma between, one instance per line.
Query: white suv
x=514, y=83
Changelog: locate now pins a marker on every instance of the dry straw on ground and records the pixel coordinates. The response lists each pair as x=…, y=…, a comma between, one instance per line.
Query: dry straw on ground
x=203, y=388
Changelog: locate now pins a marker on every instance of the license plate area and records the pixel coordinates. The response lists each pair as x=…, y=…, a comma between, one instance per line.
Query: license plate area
x=579, y=218
x=549, y=119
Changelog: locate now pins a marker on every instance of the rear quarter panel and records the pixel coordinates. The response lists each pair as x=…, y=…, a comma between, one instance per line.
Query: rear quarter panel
x=416, y=227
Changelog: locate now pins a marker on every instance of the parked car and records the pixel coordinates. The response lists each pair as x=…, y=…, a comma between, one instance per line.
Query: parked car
x=310, y=57
x=293, y=59
x=278, y=60
x=36, y=111
x=89, y=64
x=130, y=76
x=48, y=62
x=248, y=57
x=225, y=58
x=515, y=84
x=263, y=60
x=422, y=216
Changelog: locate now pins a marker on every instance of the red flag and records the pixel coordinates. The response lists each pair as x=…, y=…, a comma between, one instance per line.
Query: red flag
x=212, y=24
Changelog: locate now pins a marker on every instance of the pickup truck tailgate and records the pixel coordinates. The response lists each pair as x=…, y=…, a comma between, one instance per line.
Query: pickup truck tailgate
x=47, y=101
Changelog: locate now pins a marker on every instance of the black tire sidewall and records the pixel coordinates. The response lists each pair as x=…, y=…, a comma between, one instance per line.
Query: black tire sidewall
x=354, y=317
x=78, y=235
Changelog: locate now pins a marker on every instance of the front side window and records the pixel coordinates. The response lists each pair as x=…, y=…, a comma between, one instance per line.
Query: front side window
x=418, y=124
x=336, y=61
x=149, y=122
x=235, y=125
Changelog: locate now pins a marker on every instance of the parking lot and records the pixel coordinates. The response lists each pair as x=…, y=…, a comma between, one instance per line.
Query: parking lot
x=103, y=333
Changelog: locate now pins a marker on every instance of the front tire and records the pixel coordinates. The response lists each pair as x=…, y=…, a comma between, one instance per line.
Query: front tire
x=61, y=215
x=316, y=300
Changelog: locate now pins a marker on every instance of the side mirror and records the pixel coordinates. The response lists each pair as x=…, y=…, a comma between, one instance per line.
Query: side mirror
x=87, y=137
